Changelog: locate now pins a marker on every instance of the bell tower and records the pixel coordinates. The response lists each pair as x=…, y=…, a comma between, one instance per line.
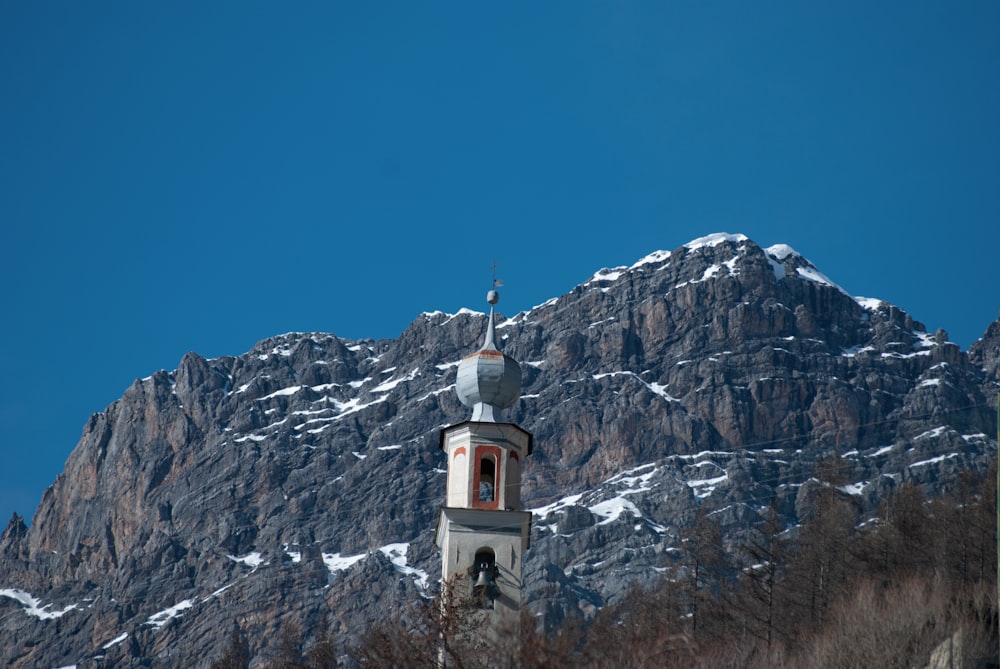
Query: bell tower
x=481, y=530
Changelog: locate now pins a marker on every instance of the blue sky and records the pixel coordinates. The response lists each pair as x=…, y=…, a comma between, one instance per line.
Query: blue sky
x=199, y=176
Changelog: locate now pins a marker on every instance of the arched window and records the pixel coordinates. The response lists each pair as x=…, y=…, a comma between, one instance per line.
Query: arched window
x=487, y=478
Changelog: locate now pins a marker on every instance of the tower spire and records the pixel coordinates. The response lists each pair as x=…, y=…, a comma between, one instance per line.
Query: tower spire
x=481, y=529
x=488, y=380
x=491, y=331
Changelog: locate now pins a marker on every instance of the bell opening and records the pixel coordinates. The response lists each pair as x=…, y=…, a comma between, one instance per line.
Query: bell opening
x=484, y=573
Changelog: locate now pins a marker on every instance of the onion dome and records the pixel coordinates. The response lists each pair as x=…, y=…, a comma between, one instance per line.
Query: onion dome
x=488, y=379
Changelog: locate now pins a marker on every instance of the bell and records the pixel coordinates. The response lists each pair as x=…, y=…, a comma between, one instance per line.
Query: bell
x=483, y=581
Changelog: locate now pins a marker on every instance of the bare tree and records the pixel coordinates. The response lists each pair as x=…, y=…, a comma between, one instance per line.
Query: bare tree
x=819, y=562
x=706, y=566
x=758, y=599
x=235, y=655
x=322, y=654
x=289, y=647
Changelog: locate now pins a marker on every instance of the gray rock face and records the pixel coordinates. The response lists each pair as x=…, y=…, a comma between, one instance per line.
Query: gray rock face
x=300, y=481
x=985, y=353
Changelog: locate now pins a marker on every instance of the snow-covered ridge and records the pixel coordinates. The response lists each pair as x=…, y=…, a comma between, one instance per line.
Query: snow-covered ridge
x=777, y=254
x=654, y=257
x=436, y=315
x=814, y=275
x=715, y=239
x=283, y=344
x=614, y=273
x=661, y=257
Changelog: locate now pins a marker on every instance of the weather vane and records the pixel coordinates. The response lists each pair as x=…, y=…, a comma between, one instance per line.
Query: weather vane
x=497, y=283
x=493, y=297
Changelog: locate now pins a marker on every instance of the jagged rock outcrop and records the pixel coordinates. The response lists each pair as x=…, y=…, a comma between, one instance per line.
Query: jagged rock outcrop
x=300, y=481
x=985, y=353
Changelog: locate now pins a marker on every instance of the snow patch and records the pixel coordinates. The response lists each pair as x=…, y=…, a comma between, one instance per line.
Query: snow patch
x=218, y=592
x=250, y=437
x=543, y=511
x=709, y=273
x=32, y=605
x=252, y=560
x=869, y=303
x=814, y=275
x=854, y=350
x=930, y=434
x=654, y=257
x=611, y=509
x=781, y=252
x=435, y=392
x=323, y=387
x=707, y=486
x=854, y=488
x=655, y=388
x=510, y=322
x=397, y=556
x=940, y=458
x=606, y=274
x=777, y=268
x=281, y=393
x=296, y=556
x=114, y=642
x=161, y=618
x=389, y=385
x=334, y=562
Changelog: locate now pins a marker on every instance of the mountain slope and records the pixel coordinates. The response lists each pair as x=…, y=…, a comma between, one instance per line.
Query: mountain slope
x=300, y=481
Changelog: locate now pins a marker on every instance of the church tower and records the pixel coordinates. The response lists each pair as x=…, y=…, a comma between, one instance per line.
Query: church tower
x=481, y=530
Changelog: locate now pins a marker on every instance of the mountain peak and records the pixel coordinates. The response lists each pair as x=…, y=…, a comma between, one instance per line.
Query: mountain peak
x=703, y=378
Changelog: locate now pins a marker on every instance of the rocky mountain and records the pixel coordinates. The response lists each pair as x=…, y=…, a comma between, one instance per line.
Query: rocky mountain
x=300, y=481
